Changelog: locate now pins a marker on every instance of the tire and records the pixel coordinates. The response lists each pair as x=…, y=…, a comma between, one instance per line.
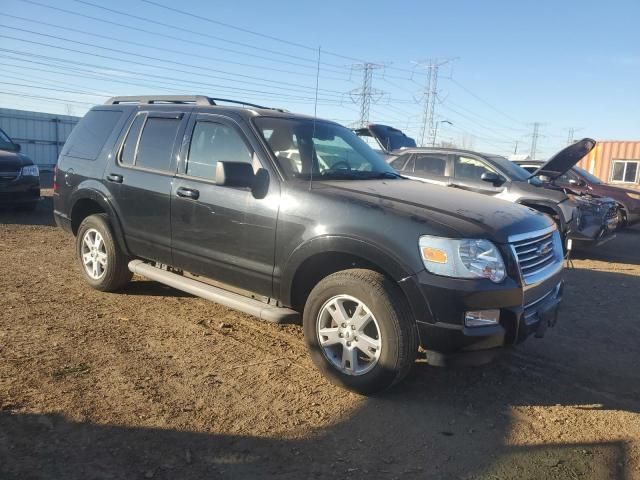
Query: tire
x=113, y=273
x=383, y=301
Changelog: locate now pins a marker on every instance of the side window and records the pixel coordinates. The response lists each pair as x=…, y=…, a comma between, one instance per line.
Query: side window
x=128, y=153
x=213, y=142
x=467, y=168
x=156, y=143
x=89, y=136
x=398, y=163
x=431, y=164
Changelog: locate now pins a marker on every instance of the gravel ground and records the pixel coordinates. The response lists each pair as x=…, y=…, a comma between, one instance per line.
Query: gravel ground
x=154, y=383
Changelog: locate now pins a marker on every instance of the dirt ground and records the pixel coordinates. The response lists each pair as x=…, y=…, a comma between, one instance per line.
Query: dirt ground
x=154, y=383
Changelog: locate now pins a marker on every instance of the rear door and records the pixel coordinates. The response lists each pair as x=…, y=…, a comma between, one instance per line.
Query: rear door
x=467, y=175
x=222, y=232
x=432, y=167
x=140, y=180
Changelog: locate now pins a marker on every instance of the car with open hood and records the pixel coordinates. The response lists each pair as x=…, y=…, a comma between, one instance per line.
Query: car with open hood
x=281, y=215
x=19, y=177
x=580, y=182
x=587, y=220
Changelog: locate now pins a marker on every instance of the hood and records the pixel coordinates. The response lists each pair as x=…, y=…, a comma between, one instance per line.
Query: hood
x=388, y=138
x=566, y=158
x=451, y=212
x=13, y=160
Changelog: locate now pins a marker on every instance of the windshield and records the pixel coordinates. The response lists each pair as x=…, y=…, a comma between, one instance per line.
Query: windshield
x=512, y=170
x=335, y=152
x=5, y=142
x=589, y=176
x=391, y=138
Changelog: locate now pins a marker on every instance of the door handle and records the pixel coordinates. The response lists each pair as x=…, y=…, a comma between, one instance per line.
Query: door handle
x=188, y=193
x=115, y=178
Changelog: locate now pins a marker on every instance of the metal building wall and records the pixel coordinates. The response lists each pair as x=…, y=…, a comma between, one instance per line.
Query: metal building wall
x=600, y=159
x=41, y=135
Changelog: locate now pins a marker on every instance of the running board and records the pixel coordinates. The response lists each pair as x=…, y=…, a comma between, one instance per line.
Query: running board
x=269, y=313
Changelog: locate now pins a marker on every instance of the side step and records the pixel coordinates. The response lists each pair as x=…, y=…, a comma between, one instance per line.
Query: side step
x=269, y=313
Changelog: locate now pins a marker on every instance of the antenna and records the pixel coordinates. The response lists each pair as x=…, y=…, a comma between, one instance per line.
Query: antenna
x=315, y=116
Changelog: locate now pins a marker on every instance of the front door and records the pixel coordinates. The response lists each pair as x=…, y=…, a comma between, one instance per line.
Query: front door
x=467, y=175
x=220, y=232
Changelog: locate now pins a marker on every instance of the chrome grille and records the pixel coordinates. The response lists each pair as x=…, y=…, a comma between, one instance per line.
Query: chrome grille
x=536, y=254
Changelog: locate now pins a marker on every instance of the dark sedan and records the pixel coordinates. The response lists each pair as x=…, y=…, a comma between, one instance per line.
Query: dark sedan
x=19, y=177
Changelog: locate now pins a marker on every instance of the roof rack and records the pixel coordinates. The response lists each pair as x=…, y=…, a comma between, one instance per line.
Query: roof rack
x=181, y=99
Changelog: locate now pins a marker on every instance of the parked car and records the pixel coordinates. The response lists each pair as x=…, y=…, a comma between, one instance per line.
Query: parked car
x=19, y=177
x=581, y=182
x=288, y=214
x=589, y=221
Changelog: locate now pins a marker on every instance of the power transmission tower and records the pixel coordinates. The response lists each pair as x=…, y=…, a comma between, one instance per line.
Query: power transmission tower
x=570, y=136
x=429, y=98
x=534, y=140
x=366, y=93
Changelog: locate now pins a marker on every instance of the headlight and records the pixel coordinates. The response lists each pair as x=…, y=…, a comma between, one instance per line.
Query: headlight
x=635, y=196
x=462, y=258
x=30, y=171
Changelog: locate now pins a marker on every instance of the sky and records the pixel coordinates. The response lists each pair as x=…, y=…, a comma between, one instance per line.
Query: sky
x=567, y=65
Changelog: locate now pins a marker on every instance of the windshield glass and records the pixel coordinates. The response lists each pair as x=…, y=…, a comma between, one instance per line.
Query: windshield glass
x=5, y=142
x=590, y=177
x=324, y=150
x=391, y=138
x=512, y=170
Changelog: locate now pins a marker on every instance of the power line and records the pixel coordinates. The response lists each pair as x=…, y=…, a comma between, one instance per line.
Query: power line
x=165, y=49
x=182, y=39
x=455, y=82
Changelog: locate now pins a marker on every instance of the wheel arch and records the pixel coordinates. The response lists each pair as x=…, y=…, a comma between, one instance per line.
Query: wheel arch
x=320, y=257
x=88, y=202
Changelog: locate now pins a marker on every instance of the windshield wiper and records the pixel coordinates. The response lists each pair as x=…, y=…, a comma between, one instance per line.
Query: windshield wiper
x=388, y=175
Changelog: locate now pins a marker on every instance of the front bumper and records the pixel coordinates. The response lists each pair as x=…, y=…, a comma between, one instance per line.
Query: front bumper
x=439, y=305
x=20, y=191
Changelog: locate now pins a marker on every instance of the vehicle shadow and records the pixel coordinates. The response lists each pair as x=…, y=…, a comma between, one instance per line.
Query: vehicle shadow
x=150, y=288
x=622, y=249
x=534, y=414
x=42, y=215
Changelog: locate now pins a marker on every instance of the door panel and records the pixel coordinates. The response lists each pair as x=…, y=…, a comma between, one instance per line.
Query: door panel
x=225, y=233
x=140, y=180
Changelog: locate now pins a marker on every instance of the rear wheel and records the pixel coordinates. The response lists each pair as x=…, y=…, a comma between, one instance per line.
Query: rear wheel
x=103, y=264
x=359, y=331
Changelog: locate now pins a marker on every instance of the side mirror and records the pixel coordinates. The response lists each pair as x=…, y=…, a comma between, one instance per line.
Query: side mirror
x=240, y=175
x=493, y=178
x=16, y=147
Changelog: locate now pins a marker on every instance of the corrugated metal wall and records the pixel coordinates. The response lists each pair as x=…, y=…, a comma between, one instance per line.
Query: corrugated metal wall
x=600, y=159
x=41, y=135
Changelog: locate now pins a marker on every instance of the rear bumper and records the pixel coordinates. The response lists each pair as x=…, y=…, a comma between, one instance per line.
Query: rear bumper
x=62, y=221
x=439, y=305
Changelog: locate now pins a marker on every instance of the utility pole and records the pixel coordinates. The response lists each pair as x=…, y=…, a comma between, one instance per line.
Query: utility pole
x=429, y=98
x=515, y=148
x=435, y=130
x=366, y=93
x=534, y=140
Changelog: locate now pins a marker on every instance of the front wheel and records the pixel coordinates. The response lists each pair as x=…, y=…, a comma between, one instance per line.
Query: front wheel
x=359, y=331
x=104, y=265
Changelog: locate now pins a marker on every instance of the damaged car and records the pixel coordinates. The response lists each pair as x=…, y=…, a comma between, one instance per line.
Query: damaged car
x=586, y=220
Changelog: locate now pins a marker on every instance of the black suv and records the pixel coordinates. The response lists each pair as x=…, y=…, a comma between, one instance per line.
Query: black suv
x=19, y=177
x=286, y=213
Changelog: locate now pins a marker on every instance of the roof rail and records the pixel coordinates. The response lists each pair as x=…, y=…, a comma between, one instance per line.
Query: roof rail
x=151, y=99
x=182, y=99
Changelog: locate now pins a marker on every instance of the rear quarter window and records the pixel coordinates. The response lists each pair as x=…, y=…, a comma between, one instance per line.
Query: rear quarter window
x=89, y=136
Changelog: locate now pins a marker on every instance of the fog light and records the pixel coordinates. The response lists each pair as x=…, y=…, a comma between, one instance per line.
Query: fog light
x=481, y=318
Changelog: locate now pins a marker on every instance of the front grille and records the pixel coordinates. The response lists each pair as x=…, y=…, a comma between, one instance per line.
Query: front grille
x=9, y=176
x=536, y=254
